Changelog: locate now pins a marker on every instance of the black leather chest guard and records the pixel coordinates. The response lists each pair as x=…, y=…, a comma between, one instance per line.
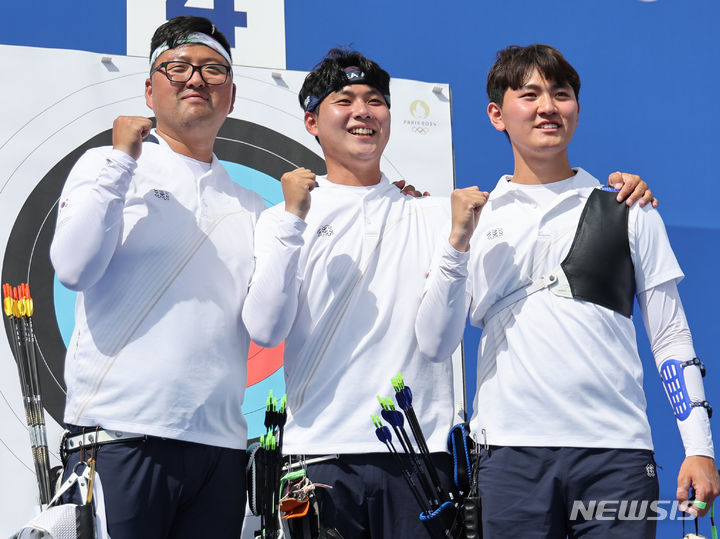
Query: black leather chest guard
x=599, y=267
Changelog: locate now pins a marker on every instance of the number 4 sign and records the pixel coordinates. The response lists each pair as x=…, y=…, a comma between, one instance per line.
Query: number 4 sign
x=254, y=28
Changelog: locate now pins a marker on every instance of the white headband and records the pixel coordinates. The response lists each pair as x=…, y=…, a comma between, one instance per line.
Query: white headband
x=195, y=37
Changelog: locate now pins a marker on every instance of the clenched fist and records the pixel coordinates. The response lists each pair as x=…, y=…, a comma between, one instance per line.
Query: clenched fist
x=129, y=132
x=296, y=186
x=466, y=205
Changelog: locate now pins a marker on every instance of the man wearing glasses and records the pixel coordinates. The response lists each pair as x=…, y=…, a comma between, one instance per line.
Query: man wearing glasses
x=157, y=240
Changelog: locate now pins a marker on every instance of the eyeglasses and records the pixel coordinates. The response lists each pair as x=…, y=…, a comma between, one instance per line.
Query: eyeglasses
x=183, y=72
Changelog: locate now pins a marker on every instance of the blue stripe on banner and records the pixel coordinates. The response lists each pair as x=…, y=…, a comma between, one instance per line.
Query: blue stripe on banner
x=255, y=398
x=64, y=309
x=85, y=25
x=266, y=186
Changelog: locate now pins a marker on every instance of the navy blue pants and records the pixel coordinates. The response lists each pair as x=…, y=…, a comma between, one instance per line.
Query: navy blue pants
x=159, y=488
x=370, y=498
x=558, y=492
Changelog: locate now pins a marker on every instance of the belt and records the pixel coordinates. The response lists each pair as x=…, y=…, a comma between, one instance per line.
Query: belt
x=293, y=462
x=94, y=437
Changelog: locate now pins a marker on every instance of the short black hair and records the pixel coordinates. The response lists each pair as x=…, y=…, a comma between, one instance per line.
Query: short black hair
x=330, y=76
x=514, y=64
x=174, y=32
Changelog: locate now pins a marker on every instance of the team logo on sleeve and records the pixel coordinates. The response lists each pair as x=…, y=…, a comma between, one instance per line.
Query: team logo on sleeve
x=494, y=233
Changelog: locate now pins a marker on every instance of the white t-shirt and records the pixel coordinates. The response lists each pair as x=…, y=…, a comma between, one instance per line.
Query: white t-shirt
x=343, y=290
x=161, y=253
x=553, y=371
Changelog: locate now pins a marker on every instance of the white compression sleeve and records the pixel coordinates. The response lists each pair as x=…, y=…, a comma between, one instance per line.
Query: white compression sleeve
x=272, y=301
x=670, y=338
x=441, y=317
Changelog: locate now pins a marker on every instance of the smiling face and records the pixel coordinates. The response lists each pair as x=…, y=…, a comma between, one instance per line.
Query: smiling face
x=540, y=117
x=353, y=126
x=194, y=104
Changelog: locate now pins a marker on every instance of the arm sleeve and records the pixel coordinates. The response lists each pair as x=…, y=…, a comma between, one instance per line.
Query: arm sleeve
x=670, y=338
x=90, y=217
x=272, y=300
x=441, y=318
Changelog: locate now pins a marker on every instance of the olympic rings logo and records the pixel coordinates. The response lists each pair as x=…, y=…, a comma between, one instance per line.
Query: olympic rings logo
x=420, y=130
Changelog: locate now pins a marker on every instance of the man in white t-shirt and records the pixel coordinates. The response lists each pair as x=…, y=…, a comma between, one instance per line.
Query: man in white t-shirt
x=548, y=267
x=157, y=239
x=326, y=282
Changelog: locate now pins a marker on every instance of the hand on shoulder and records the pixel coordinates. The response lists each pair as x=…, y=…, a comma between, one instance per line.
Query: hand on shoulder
x=632, y=188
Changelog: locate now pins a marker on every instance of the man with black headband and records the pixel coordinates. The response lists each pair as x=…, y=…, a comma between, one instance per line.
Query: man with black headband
x=327, y=281
x=157, y=239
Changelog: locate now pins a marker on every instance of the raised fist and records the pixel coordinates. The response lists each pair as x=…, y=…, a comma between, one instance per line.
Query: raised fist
x=129, y=132
x=466, y=205
x=296, y=186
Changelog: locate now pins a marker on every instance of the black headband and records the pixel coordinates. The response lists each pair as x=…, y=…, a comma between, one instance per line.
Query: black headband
x=353, y=75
